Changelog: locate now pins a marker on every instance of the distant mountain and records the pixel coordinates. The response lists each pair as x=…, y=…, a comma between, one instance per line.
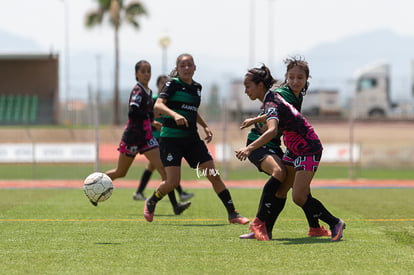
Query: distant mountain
x=334, y=64
x=11, y=43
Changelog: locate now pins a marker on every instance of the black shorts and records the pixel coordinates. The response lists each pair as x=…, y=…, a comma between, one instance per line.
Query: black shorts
x=257, y=156
x=193, y=150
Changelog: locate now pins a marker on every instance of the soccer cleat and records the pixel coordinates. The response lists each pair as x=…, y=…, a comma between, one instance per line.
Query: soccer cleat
x=259, y=229
x=138, y=196
x=184, y=196
x=181, y=207
x=336, y=231
x=235, y=217
x=247, y=236
x=149, y=208
x=250, y=235
x=318, y=232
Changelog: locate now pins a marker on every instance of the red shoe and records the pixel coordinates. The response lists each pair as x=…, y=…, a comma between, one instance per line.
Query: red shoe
x=149, y=208
x=319, y=232
x=259, y=229
x=235, y=217
x=247, y=236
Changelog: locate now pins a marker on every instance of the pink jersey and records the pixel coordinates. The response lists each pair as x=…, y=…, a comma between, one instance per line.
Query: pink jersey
x=138, y=131
x=298, y=135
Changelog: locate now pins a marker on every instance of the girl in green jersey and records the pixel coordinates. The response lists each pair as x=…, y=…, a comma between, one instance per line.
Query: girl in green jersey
x=268, y=157
x=178, y=102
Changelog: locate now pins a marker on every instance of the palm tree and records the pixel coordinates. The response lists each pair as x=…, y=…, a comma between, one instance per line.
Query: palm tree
x=117, y=13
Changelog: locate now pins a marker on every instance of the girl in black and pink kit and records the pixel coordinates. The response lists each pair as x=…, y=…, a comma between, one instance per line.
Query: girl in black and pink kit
x=137, y=137
x=268, y=158
x=304, y=151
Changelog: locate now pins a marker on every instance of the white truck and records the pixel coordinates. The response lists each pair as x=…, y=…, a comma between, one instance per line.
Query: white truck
x=371, y=98
x=239, y=104
x=317, y=102
x=322, y=102
x=372, y=92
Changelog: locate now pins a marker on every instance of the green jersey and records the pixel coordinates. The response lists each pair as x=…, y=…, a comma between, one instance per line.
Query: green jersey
x=290, y=97
x=259, y=129
x=155, y=132
x=183, y=99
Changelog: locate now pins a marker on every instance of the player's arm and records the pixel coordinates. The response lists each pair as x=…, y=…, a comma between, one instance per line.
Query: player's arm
x=207, y=131
x=157, y=125
x=134, y=113
x=271, y=132
x=250, y=121
x=161, y=107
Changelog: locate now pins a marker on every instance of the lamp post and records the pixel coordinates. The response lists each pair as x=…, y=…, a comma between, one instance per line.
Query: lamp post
x=67, y=100
x=251, y=33
x=271, y=34
x=165, y=41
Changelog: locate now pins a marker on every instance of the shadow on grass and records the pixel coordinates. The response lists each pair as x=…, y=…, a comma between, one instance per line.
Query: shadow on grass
x=108, y=243
x=306, y=240
x=207, y=225
x=196, y=225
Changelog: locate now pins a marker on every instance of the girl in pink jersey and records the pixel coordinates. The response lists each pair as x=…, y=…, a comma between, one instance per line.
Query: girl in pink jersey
x=304, y=151
x=268, y=158
x=137, y=137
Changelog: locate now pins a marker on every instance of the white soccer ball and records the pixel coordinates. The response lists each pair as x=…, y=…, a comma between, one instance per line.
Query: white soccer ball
x=98, y=187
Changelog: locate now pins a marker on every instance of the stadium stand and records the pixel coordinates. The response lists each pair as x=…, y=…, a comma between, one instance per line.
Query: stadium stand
x=18, y=109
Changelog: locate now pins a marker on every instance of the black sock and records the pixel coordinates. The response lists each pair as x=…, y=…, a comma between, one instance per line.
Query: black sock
x=144, y=180
x=172, y=198
x=156, y=196
x=277, y=207
x=267, y=200
x=315, y=209
x=179, y=189
x=312, y=221
x=225, y=197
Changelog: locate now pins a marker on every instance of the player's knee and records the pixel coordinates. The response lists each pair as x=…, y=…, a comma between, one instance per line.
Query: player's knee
x=298, y=199
x=279, y=173
x=281, y=193
x=172, y=183
x=175, y=185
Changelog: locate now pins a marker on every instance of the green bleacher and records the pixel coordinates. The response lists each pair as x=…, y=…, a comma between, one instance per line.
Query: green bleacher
x=18, y=109
x=2, y=107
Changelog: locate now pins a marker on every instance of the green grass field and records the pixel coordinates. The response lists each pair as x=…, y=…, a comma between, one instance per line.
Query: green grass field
x=77, y=171
x=57, y=231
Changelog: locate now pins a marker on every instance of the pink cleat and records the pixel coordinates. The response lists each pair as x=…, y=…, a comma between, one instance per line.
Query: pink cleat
x=235, y=217
x=319, y=232
x=247, y=236
x=149, y=208
x=259, y=229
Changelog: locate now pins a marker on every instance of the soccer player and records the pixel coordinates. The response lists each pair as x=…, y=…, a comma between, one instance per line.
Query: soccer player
x=146, y=175
x=268, y=157
x=178, y=102
x=304, y=151
x=137, y=136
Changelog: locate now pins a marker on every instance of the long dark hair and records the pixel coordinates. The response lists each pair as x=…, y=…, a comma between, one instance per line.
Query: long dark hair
x=138, y=65
x=174, y=72
x=261, y=74
x=299, y=61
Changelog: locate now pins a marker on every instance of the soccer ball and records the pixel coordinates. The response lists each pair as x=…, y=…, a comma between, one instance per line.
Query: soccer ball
x=98, y=187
